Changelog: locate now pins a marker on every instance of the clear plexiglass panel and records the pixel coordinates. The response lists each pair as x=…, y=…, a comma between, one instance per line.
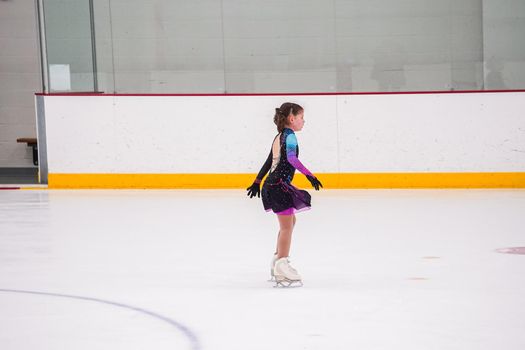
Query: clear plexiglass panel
x=69, y=45
x=286, y=46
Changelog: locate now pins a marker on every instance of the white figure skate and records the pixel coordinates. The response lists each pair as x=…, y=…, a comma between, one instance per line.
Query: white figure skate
x=285, y=275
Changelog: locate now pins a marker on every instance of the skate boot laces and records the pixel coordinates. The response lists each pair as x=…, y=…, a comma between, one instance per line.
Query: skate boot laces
x=290, y=266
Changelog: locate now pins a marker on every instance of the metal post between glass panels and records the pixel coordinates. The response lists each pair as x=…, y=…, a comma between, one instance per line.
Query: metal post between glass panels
x=93, y=45
x=41, y=28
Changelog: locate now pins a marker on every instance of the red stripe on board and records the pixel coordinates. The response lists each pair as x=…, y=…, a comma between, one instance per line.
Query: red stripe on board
x=287, y=94
x=9, y=188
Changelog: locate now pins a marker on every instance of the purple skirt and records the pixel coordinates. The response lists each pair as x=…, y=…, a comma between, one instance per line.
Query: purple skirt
x=284, y=199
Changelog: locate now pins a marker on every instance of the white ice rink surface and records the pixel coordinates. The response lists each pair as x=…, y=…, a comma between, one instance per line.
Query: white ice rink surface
x=382, y=269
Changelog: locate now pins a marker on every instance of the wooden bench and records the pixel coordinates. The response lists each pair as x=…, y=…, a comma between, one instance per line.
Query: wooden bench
x=31, y=142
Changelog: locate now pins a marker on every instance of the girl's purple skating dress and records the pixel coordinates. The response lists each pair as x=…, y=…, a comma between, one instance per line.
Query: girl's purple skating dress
x=278, y=194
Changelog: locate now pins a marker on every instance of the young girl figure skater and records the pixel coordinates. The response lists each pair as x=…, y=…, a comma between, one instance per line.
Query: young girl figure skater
x=278, y=194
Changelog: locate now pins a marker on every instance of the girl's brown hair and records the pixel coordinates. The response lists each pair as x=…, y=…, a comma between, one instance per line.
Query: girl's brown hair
x=282, y=113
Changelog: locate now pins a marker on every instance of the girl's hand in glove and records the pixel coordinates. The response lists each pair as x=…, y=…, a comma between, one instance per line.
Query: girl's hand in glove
x=254, y=190
x=315, y=183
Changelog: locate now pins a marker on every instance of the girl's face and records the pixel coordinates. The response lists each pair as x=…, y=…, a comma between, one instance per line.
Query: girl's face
x=297, y=121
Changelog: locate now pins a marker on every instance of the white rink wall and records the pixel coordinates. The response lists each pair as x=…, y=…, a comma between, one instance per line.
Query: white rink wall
x=442, y=132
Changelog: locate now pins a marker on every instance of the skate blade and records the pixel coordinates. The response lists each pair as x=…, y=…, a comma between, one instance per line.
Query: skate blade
x=286, y=283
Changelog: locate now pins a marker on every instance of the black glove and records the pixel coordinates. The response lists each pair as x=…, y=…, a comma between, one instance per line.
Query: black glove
x=315, y=183
x=254, y=190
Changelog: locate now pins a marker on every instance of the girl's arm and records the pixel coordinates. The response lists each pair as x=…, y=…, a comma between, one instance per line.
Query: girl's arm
x=291, y=155
x=265, y=168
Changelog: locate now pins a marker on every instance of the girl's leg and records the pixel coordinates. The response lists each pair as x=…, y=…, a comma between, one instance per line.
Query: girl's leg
x=279, y=234
x=284, y=240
